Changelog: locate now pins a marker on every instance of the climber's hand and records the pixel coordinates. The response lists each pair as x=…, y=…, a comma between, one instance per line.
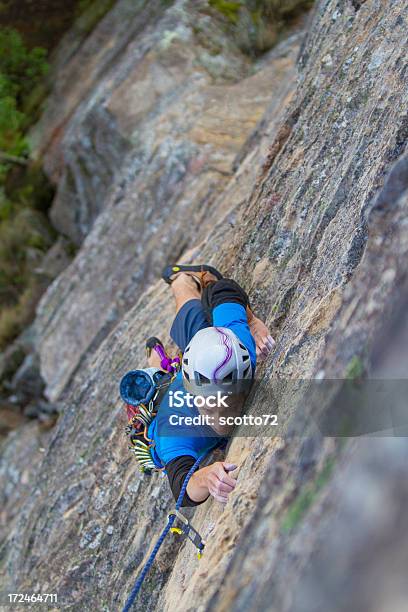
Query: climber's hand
x=214, y=480
x=263, y=339
x=220, y=484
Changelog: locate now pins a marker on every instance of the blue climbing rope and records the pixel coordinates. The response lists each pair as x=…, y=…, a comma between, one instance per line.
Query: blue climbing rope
x=172, y=517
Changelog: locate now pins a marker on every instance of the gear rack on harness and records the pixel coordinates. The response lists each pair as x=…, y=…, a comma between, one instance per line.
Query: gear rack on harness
x=141, y=390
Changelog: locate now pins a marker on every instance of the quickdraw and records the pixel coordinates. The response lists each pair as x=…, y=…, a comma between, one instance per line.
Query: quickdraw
x=138, y=426
x=188, y=531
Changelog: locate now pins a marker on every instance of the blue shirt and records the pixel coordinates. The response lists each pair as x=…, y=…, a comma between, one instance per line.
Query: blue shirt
x=190, y=440
x=194, y=440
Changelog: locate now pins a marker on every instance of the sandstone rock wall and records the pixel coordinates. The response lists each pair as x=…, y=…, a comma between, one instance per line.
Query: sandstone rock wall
x=314, y=227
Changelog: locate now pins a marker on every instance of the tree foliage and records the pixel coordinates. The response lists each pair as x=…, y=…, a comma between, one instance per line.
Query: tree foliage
x=24, y=232
x=21, y=69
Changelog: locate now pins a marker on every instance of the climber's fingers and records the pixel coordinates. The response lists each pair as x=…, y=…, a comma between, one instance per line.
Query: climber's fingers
x=262, y=350
x=223, y=477
x=264, y=345
x=270, y=342
x=225, y=488
x=220, y=484
x=220, y=498
x=216, y=492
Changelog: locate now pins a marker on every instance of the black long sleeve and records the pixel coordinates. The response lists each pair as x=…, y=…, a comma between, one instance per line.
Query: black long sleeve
x=177, y=469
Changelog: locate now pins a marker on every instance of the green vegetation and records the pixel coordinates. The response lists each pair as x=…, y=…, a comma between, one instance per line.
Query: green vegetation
x=229, y=9
x=25, y=193
x=20, y=71
x=307, y=497
x=25, y=233
x=20, y=67
x=257, y=24
x=42, y=24
x=354, y=369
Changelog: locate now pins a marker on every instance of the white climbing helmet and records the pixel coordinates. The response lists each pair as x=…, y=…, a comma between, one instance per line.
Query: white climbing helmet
x=215, y=360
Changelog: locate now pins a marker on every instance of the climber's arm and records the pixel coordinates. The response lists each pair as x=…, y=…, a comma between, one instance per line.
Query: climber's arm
x=176, y=470
x=210, y=480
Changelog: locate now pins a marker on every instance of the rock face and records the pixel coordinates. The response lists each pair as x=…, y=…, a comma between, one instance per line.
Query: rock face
x=22, y=386
x=301, y=194
x=140, y=100
x=169, y=119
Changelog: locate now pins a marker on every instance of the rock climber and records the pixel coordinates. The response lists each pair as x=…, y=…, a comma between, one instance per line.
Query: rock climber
x=220, y=340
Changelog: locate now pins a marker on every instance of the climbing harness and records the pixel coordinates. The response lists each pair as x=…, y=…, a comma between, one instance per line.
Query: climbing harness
x=142, y=390
x=186, y=529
